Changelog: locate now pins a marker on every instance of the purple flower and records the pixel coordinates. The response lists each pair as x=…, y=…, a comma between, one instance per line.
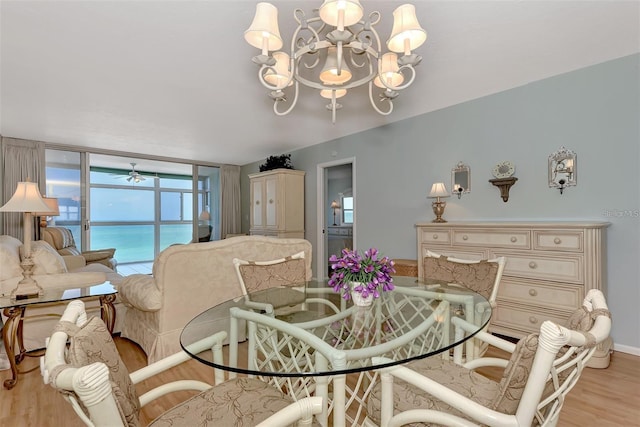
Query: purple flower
x=373, y=273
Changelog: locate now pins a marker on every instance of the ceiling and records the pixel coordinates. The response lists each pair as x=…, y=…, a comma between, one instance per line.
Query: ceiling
x=175, y=78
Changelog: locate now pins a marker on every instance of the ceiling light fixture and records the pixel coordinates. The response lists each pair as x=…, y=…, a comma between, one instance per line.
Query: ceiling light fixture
x=334, y=51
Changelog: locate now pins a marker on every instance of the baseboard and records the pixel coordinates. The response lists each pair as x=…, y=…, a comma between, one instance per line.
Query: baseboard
x=626, y=349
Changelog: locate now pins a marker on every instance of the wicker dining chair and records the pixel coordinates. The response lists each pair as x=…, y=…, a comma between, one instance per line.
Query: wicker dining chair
x=94, y=380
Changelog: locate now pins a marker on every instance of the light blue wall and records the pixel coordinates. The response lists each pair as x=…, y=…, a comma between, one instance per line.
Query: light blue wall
x=594, y=111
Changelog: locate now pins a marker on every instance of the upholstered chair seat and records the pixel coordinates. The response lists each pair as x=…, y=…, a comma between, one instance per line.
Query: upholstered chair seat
x=62, y=240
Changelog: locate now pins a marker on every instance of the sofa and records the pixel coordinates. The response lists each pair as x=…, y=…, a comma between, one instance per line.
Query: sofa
x=51, y=270
x=187, y=280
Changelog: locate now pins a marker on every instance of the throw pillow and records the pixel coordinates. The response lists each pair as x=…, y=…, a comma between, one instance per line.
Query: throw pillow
x=10, y=257
x=46, y=259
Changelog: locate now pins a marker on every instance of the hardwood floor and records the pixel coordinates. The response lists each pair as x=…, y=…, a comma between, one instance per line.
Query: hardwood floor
x=602, y=397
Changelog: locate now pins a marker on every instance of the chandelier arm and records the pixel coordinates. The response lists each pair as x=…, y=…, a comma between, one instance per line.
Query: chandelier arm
x=373, y=103
x=293, y=103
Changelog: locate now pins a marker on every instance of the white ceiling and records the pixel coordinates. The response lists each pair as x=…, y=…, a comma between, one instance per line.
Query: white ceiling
x=175, y=78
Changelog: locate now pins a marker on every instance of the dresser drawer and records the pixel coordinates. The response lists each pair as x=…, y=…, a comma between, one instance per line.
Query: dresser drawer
x=436, y=236
x=559, y=296
x=515, y=239
x=523, y=319
x=568, y=268
x=558, y=240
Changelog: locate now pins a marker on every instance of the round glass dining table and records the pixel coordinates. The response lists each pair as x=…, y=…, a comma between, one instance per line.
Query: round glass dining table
x=284, y=326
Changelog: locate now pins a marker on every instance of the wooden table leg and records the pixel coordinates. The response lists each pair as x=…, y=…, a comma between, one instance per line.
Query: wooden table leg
x=12, y=337
x=108, y=311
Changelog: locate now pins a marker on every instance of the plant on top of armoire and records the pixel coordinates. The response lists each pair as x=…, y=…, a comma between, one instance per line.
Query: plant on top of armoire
x=277, y=162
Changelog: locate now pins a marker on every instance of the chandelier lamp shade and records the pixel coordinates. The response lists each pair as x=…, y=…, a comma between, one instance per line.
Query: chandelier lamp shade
x=334, y=51
x=26, y=199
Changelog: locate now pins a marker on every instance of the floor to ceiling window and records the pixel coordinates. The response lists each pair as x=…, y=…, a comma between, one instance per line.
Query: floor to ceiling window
x=144, y=208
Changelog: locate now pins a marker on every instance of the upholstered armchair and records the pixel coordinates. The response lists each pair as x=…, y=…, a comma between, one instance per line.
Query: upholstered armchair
x=62, y=240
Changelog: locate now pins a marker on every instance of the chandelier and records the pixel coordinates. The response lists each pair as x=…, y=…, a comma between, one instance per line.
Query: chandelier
x=335, y=51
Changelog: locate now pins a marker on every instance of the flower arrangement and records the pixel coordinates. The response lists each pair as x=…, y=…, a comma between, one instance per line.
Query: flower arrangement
x=372, y=273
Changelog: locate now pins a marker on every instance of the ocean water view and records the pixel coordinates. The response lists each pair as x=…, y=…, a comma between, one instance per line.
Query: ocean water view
x=135, y=243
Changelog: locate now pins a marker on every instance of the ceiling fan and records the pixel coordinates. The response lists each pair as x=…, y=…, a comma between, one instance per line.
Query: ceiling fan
x=135, y=176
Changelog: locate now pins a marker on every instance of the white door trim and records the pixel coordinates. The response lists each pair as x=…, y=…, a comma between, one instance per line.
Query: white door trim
x=321, y=262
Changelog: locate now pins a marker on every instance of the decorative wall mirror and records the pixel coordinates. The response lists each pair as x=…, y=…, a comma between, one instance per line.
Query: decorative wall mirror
x=461, y=179
x=562, y=169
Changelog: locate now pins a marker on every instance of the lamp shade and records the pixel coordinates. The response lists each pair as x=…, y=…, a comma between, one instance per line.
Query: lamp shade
x=26, y=198
x=264, y=28
x=329, y=74
x=335, y=205
x=389, y=71
x=54, y=209
x=204, y=215
x=351, y=11
x=279, y=74
x=327, y=93
x=438, y=190
x=407, y=34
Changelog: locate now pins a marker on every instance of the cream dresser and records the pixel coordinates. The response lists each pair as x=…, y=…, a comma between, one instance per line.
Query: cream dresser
x=550, y=265
x=277, y=203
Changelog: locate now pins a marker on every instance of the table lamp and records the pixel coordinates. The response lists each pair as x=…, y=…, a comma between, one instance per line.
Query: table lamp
x=334, y=206
x=438, y=190
x=26, y=199
x=54, y=210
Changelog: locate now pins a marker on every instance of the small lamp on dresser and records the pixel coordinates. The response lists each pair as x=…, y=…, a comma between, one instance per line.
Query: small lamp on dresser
x=438, y=190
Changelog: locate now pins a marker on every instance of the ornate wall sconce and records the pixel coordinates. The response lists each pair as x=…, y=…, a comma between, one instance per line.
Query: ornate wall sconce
x=461, y=179
x=563, y=169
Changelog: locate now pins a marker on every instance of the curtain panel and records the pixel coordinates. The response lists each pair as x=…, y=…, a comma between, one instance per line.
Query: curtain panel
x=22, y=160
x=230, y=200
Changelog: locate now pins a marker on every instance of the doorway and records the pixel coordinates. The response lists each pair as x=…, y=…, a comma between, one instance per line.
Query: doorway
x=336, y=206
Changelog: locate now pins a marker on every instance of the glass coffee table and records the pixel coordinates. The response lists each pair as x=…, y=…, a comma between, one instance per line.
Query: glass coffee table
x=14, y=310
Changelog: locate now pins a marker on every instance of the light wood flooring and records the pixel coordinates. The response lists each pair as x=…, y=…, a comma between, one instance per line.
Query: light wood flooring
x=602, y=397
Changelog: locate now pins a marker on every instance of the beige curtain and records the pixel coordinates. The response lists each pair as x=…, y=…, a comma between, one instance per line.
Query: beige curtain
x=230, y=201
x=21, y=160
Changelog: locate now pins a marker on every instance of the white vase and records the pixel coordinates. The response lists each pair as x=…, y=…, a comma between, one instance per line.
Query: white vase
x=357, y=297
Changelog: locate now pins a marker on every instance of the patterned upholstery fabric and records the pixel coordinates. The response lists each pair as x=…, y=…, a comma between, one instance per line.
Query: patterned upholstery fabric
x=459, y=379
x=142, y=293
x=503, y=397
x=92, y=343
x=287, y=273
x=10, y=257
x=479, y=277
x=515, y=375
x=243, y=402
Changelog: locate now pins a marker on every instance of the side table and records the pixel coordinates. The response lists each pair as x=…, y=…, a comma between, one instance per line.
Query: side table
x=14, y=310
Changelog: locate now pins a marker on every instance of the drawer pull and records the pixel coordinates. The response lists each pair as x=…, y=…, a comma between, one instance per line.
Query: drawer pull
x=532, y=264
x=465, y=237
x=257, y=202
x=533, y=292
x=514, y=239
x=435, y=237
x=533, y=320
x=557, y=241
x=270, y=201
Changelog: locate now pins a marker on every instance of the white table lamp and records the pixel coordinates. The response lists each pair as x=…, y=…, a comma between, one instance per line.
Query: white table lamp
x=26, y=199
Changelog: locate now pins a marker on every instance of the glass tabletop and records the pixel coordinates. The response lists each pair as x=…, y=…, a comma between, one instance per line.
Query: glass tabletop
x=61, y=294
x=311, y=331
